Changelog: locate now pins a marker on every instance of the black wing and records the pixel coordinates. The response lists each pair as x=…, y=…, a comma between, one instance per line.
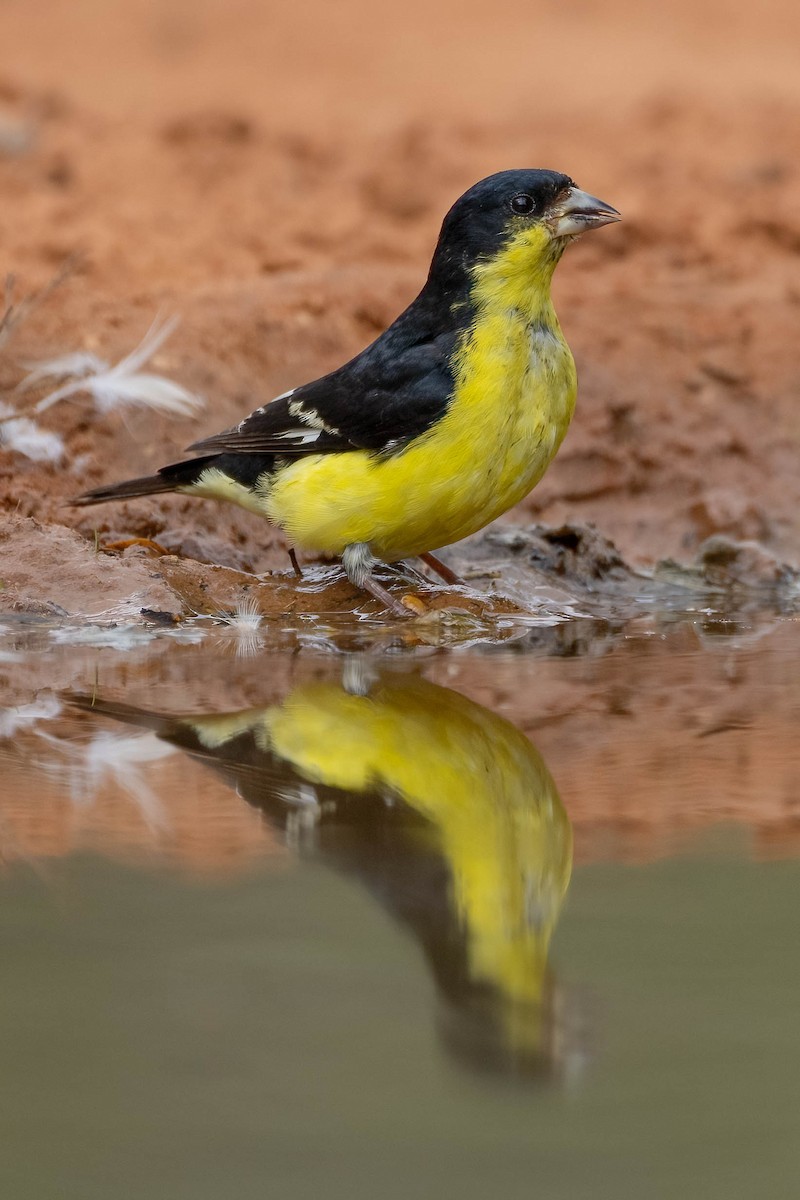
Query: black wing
x=392, y=392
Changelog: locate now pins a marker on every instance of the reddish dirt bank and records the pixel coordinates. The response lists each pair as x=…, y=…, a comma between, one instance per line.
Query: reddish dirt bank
x=278, y=177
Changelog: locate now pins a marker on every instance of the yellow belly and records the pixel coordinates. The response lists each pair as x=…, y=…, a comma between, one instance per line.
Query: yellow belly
x=511, y=409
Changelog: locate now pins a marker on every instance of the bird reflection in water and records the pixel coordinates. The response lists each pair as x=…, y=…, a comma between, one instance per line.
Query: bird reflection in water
x=444, y=811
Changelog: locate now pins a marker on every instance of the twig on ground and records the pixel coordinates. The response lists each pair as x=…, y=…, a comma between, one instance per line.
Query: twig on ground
x=12, y=313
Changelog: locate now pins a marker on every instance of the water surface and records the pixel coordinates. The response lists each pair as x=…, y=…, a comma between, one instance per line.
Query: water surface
x=498, y=920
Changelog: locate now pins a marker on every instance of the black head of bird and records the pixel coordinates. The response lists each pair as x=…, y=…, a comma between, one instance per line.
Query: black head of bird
x=537, y=211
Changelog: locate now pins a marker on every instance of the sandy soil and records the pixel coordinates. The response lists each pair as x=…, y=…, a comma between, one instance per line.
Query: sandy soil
x=277, y=176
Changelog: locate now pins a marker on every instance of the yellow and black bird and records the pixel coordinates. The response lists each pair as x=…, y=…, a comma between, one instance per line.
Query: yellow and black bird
x=443, y=810
x=444, y=422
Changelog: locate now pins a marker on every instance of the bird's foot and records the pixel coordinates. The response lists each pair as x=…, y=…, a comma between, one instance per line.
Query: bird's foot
x=406, y=606
x=359, y=562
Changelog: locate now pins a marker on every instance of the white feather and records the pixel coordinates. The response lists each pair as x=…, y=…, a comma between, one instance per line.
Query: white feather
x=24, y=435
x=153, y=391
x=246, y=615
x=125, y=383
x=245, y=622
x=75, y=365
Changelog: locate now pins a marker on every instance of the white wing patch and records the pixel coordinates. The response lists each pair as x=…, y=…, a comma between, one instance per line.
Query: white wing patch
x=265, y=431
x=264, y=407
x=298, y=437
x=310, y=416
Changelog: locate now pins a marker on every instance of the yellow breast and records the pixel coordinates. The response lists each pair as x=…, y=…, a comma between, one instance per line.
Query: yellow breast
x=512, y=404
x=490, y=800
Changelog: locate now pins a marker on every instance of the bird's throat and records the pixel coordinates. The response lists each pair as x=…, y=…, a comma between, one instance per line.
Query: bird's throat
x=517, y=279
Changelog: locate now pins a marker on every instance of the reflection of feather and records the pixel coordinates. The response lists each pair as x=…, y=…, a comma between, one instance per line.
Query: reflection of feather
x=22, y=716
x=83, y=768
x=445, y=811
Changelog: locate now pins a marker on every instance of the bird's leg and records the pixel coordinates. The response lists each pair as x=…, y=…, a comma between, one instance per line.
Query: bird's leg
x=295, y=564
x=442, y=570
x=358, y=562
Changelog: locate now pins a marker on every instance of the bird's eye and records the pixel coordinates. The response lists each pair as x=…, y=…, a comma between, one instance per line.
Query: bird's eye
x=523, y=204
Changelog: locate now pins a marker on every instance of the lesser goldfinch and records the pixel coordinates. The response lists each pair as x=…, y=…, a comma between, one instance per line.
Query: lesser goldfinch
x=444, y=422
x=443, y=809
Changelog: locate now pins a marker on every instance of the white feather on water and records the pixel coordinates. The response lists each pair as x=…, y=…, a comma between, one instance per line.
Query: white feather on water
x=245, y=624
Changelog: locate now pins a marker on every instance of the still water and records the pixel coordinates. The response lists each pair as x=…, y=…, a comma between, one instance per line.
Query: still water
x=502, y=920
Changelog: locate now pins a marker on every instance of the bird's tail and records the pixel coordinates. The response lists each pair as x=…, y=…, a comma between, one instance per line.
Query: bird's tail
x=168, y=479
x=129, y=713
x=148, y=485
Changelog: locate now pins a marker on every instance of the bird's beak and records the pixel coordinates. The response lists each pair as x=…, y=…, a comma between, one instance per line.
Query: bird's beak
x=575, y=211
